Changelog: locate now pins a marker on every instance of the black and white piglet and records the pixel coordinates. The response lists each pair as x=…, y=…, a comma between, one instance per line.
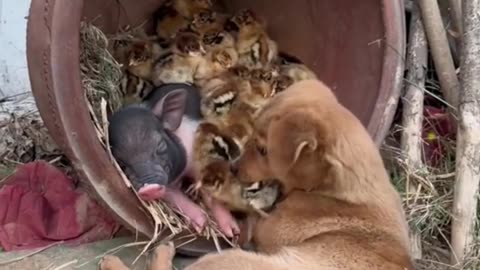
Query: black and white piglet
x=153, y=141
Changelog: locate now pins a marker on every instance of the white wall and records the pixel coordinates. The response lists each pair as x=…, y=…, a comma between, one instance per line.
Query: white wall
x=14, y=80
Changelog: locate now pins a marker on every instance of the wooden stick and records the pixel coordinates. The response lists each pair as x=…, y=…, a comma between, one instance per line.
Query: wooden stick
x=442, y=58
x=456, y=15
x=456, y=30
x=468, y=138
x=412, y=118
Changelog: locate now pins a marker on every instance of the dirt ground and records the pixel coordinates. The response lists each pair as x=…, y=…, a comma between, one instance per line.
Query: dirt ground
x=85, y=257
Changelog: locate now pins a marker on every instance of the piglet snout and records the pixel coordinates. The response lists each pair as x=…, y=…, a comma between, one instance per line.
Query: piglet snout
x=151, y=192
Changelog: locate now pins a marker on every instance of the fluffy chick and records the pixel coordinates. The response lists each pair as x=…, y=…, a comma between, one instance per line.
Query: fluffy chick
x=188, y=8
x=292, y=69
x=222, y=185
x=235, y=87
x=254, y=46
x=180, y=64
x=217, y=143
x=262, y=87
x=219, y=94
x=289, y=74
x=297, y=72
x=134, y=89
x=138, y=56
x=208, y=21
x=221, y=55
x=211, y=145
x=168, y=20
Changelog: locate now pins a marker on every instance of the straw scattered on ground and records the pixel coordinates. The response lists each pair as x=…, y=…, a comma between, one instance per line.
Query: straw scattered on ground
x=429, y=206
x=24, y=138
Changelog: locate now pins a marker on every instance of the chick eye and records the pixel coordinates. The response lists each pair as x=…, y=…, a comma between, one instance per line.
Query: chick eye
x=262, y=150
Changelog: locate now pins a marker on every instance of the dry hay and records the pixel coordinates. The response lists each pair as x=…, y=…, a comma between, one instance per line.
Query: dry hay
x=101, y=76
x=26, y=139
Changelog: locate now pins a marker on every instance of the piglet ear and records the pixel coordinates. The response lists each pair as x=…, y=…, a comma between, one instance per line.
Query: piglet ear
x=171, y=108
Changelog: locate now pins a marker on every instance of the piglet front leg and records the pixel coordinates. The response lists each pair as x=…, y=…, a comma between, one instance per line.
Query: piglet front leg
x=176, y=198
x=225, y=220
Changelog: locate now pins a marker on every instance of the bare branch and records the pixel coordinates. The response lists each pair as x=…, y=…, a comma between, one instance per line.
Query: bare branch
x=456, y=15
x=442, y=58
x=468, y=138
x=411, y=141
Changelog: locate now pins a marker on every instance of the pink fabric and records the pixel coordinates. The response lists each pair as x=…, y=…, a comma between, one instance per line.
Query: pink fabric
x=40, y=206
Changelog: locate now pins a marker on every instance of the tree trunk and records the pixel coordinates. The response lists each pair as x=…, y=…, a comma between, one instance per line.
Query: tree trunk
x=468, y=138
x=442, y=58
x=412, y=118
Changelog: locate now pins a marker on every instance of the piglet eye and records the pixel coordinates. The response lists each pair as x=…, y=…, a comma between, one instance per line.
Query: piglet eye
x=162, y=146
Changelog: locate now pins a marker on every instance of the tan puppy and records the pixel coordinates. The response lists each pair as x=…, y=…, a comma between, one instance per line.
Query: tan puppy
x=339, y=211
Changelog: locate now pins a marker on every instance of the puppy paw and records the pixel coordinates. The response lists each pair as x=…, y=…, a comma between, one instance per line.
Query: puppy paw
x=162, y=257
x=110, y=262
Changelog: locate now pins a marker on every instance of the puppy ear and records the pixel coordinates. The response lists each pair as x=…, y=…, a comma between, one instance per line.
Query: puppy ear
x=306, y=143
x=290, y=136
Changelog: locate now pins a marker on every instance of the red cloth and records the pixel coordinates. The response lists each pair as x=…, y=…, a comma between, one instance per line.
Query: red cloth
x=438, y=128
x=40, y=206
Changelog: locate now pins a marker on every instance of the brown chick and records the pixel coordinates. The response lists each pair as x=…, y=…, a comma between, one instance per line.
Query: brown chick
x=188, y=8
x=289, y=74
x=123, y=44
x=238, y=85
x=180, y=64
x=255, y=48
x=211, y=145
x=134, y=89
x=215, y=39
x=208, y=21
x=138, y=55
x=168, y=21
x=281, y=82
x=238, y=123
x=218, y=142
x=219, y=94
x=221, y=55
x=262, y=82
x=297, y=72
x=292, y=69
x=241, y=72
x=217, y=62
x=222, y=185
x=140, y=60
